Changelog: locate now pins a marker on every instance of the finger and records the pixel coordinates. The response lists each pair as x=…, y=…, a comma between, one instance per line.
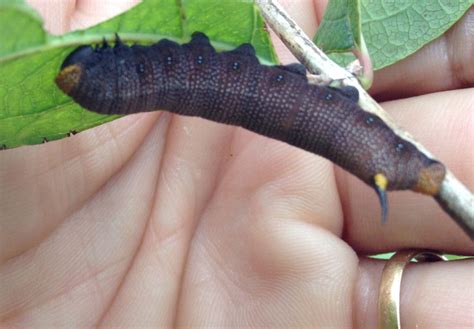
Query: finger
x=304, y=12
x=444, y=64
x=56, y=13
x=444, y=123
x=61, y=16
x=436, y=295
x=42, y=185
x=90, y=12
x=71, y=278
x=195, y=152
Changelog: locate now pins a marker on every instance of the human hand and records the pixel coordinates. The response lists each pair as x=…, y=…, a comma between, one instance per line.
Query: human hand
x=160, y=220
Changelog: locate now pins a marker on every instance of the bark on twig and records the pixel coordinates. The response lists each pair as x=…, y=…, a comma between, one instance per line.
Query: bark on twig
x=453, y=197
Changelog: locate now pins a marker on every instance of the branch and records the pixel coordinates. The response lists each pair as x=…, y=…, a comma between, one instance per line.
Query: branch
x=453, y=197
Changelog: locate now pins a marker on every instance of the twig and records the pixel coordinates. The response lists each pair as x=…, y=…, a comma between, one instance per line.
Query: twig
x=453, y=197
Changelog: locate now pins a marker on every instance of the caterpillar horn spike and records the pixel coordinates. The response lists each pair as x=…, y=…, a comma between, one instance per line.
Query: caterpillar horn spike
x=105, y=44
x=118, y=41
x=381, y=182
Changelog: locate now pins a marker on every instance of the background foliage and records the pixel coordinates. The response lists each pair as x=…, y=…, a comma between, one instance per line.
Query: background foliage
x=392, y=30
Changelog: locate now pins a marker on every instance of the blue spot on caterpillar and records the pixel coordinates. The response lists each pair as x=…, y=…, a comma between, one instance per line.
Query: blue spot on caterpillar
x=234, y=88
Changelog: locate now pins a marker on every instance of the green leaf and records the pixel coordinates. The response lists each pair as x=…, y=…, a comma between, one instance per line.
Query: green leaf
x=33, y=109
x=16, y=17
x=393, y=30
x=340, y=29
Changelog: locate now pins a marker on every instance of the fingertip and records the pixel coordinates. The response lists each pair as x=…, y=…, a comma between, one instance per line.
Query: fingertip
x=56, y=14
x=89, y=12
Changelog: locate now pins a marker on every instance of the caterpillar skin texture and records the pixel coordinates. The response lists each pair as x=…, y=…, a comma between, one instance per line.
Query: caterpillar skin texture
x=234, y=88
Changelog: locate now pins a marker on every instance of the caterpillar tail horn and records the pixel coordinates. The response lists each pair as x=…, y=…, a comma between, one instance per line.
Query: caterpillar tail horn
x=381, y=182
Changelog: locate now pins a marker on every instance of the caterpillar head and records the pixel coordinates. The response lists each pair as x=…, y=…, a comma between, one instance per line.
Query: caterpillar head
x=71, y=69
x=100, y=79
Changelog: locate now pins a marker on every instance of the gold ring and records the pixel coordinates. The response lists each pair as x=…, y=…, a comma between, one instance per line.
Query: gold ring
x=389, y=293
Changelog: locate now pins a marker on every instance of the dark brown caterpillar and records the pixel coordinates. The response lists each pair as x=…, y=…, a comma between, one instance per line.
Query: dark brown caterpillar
x=234, y=88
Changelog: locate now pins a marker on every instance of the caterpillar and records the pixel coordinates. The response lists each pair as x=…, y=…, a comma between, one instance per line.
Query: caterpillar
x=233, y=88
